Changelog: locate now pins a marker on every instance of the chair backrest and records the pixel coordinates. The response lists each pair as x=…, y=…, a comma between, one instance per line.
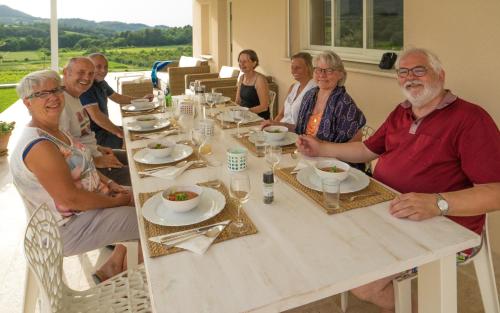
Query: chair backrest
x=272, y=101
x=367, y=132
x=43, y=251
x=229, y=72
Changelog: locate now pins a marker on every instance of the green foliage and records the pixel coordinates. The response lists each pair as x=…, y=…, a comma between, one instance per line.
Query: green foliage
x=6, y=127
x=37, y=36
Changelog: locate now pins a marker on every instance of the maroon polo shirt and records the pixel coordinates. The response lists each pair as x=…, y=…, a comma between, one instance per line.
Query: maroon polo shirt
x=452, y=148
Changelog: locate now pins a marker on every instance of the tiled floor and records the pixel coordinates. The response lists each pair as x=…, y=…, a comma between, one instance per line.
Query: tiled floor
x=12, y=263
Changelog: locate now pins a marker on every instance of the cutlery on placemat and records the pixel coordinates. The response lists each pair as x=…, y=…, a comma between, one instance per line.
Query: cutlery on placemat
x=355, y=197
x=212, y=232
x=183, y=234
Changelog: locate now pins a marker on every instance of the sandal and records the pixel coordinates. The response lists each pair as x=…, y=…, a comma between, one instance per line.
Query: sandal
x=99, y=277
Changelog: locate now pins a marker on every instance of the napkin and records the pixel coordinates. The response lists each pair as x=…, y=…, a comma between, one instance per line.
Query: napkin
x=198, y=244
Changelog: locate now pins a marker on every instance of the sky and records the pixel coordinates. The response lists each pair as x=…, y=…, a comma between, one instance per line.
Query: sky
x=149, y=12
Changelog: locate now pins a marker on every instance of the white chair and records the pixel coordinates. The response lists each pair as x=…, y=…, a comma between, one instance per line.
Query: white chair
x=272, y=101
x=126, y=292
x=484, y=272
x=30, y=288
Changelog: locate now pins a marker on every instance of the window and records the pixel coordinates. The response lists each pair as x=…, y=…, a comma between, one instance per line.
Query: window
x=359, y=30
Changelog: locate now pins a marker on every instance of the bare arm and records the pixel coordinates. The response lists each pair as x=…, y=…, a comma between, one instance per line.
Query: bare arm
x=123, y=99
x=477, y=200
x=50, y=168
x=263, y=92
x=102, y=120
x=354, y=151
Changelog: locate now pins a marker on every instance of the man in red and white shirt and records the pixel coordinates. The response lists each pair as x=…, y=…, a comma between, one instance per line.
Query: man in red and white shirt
x=441, y=152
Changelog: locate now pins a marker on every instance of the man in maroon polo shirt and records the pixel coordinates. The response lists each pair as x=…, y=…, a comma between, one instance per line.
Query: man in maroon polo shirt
x=441, y=152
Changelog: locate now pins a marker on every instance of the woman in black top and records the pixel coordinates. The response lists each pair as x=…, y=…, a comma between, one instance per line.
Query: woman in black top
x=253, y=90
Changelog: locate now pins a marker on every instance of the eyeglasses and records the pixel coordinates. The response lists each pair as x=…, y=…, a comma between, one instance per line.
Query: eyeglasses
x=47, y=93
x=319, y=70
x=418, y=71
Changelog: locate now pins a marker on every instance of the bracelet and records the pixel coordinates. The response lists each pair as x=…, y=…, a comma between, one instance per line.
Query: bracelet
x=109, y=182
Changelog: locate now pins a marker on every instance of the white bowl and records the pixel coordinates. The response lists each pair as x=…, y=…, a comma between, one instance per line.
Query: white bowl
x=160, y=148
x=321, y=165
x=141, y=104
x=146, y=121
x=275, y=132
x=182, y=205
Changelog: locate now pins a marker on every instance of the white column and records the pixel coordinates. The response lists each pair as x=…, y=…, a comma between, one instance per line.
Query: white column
x=54, y=36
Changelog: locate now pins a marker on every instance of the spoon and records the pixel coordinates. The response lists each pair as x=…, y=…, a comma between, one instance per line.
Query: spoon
x=212, y=232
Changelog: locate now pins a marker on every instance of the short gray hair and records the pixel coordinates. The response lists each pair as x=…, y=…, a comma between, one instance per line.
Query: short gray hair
x=34, y=79
x=333, y=61
x=431, y=57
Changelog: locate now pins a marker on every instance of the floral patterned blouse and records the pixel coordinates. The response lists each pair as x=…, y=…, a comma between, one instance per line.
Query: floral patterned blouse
x=79, y=162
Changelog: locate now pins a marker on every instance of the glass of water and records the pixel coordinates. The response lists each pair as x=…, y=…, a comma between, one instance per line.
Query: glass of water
x=260, y=143
x=331, y=192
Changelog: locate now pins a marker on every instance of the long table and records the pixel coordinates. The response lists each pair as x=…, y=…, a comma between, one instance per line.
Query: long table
x=299, y=254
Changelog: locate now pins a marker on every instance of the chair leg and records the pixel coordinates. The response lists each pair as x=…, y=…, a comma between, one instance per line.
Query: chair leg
x=132, y=253
x=344, y=301
x=486, y=278
x=402, y=294
x=30, y=292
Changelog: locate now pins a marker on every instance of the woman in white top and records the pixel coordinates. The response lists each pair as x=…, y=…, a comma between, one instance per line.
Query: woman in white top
x=51, y=167
x=302, y=71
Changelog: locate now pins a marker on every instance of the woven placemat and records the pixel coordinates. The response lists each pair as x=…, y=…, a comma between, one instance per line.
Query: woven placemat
x=152, y=111
x=382, y=194
x=141, y=167
x=228, y=213
x=245, y=141
x=231, y=125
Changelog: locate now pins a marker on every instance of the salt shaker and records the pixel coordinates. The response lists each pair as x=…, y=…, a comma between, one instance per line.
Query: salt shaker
x=268, y=184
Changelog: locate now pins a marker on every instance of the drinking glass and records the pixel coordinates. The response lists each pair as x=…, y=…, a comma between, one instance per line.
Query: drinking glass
x=273, y=156
x=331, y=192
x=198, y=138
x=186, y=122
x=210, y=100
x=239, y=189
x=214, y=172
x=260, y=143
x=238, y=115
x=192, y=86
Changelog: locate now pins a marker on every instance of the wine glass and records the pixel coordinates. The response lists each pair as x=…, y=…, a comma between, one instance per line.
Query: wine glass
x=192, y=86
x=210, y=100
x=239, y=189
x=273, y=156
x=238, y=115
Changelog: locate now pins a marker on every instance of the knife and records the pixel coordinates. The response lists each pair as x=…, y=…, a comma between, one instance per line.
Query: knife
x=178, y=235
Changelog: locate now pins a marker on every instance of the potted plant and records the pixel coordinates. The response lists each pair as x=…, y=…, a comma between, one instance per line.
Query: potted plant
x=5, y=131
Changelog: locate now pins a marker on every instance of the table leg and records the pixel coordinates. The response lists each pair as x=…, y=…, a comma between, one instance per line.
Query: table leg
x=437, y=286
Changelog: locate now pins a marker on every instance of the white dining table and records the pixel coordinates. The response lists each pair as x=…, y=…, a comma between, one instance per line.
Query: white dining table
x=300, y=254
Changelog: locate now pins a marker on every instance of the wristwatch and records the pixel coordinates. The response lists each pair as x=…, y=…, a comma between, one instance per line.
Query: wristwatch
x=442, y=204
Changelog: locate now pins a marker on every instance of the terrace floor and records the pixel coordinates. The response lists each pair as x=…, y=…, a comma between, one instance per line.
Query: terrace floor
x=13, y=265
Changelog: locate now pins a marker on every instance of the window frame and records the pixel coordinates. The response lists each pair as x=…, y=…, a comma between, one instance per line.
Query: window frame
x=362, y=55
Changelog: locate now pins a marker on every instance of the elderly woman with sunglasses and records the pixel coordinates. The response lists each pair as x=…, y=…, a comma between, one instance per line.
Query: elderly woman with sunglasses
x=55, y=169
x=327, y=111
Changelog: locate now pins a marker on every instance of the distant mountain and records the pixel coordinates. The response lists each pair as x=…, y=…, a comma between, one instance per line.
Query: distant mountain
x=9, y=16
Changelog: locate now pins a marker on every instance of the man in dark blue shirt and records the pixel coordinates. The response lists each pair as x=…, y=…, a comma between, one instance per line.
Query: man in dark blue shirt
x=95, y=102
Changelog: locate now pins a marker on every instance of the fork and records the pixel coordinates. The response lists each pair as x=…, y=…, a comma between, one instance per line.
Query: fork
x=352, y=198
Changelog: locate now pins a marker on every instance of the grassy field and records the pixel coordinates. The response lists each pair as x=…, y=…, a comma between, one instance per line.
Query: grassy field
x=15, y=65
x=7, y=98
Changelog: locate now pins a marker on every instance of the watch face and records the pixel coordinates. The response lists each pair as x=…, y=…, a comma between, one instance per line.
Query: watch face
x=443, y=205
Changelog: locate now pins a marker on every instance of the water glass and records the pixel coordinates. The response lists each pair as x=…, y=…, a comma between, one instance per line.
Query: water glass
x=273, y=156
x=331, y=192
x=260, y=143
x=214, y=172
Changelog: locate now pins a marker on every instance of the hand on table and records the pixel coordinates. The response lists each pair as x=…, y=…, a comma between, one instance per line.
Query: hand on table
x=150, y=97
x=414, y=206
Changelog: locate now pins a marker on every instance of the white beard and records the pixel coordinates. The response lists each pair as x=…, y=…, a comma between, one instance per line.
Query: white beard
x=430, y=92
